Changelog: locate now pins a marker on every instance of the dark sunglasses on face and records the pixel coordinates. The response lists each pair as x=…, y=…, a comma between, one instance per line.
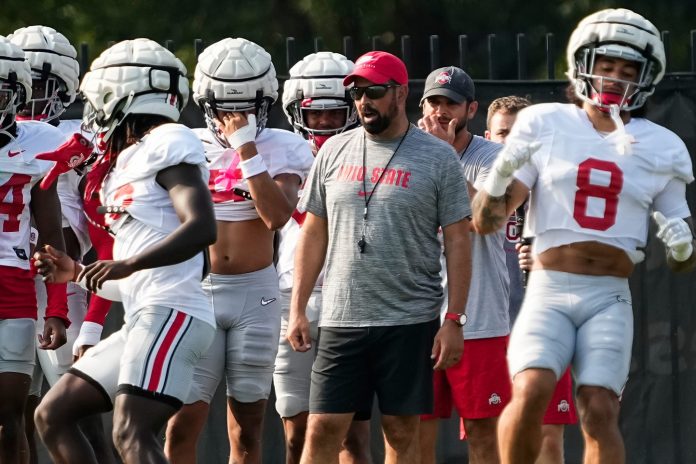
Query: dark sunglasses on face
x=373, y=92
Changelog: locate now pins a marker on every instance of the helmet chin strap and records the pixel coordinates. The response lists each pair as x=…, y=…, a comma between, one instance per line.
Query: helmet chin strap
x=611, y=103
x=621, y=138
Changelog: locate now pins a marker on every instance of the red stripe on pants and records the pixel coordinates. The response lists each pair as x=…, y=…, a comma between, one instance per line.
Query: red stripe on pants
x=161, y=355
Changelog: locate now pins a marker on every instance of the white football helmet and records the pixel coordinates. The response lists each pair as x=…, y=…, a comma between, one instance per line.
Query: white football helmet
x=15, y=82
x=133, y=77
x=616, y=33
x=316, y=83
x=237, y=75
x=54, y=70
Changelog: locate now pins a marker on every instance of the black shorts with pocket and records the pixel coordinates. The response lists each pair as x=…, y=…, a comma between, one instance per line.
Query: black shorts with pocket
x=355, y=363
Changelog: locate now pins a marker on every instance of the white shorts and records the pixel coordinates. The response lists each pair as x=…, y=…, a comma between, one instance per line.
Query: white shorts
x=293, y=369
x=54, y=363
x=572, y=317
x=153, y=355
x=17, y=346
x=247, y=313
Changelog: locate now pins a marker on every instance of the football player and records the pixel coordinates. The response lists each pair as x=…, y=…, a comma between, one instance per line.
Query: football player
x=159, y=209
x=21, y=198
x=55, y=74
x=255, y=174
x=596, y=172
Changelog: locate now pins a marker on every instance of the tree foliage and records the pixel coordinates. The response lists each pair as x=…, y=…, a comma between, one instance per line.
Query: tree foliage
x=269, y=22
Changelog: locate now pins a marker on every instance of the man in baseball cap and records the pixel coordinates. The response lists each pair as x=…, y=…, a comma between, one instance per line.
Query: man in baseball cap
x=479, y=385
x=448, y=105
x=379, y=88
x=379, y=340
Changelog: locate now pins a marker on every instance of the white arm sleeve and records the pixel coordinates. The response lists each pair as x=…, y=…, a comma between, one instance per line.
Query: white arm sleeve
x=671, y=201
x=109, y=291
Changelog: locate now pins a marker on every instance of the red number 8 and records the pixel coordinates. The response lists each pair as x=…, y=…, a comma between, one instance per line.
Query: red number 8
x=609, y=193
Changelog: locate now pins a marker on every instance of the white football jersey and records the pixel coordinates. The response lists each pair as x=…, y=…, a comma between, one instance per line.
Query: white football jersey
x=289, y=236
x=19, y=172
x=584, y=188
x=283, y=152
x=287, y=244
x=151, y=217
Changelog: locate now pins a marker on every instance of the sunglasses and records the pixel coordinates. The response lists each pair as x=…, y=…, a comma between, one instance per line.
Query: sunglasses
x=373, y=92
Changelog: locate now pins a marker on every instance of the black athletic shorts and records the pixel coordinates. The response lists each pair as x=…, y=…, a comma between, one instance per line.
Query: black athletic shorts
x=353, y=364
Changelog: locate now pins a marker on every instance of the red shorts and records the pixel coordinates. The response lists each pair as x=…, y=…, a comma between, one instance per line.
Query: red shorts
x=18, y=293
x=478, y=385
x=561, y=408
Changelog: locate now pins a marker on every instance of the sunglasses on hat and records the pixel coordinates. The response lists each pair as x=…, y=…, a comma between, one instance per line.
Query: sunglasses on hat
x=373, y=92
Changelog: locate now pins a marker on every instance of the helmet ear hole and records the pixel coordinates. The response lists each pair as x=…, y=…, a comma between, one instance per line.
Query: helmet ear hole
x=161, y=79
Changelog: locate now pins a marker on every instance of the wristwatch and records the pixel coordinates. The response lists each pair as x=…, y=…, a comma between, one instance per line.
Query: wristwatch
x=458, y=318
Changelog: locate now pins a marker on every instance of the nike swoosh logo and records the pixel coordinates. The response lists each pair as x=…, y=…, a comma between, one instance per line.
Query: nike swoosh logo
x=265, y=302
x=12, y=154
x=71, y=293
x=363, y=193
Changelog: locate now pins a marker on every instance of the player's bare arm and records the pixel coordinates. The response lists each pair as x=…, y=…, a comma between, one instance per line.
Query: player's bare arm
x=45, y=209
x=309, y=259
x=274, y=198
x=193, y=205
x=490, y=212
x=449, y=340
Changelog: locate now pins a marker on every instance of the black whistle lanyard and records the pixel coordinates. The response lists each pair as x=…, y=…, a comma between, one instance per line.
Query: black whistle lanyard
x=362, y=243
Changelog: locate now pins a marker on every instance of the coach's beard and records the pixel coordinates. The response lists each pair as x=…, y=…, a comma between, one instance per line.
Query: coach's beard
x=379, y=122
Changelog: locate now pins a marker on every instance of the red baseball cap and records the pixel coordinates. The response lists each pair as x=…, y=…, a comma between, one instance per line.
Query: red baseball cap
x=379, y=68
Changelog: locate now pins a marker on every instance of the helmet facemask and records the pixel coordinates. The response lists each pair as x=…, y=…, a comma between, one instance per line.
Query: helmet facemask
x=11, y=97
x=317, y=136
x=299, y=107
x=210, y=106
x=591, y=87
x=46, y=102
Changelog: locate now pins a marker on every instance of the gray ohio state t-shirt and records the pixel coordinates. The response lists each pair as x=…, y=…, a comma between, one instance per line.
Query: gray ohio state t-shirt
x=487, y=306
x=396, y=281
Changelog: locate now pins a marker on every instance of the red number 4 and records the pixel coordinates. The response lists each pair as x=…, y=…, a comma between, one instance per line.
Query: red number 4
x=609, y=193
x=15, y=206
